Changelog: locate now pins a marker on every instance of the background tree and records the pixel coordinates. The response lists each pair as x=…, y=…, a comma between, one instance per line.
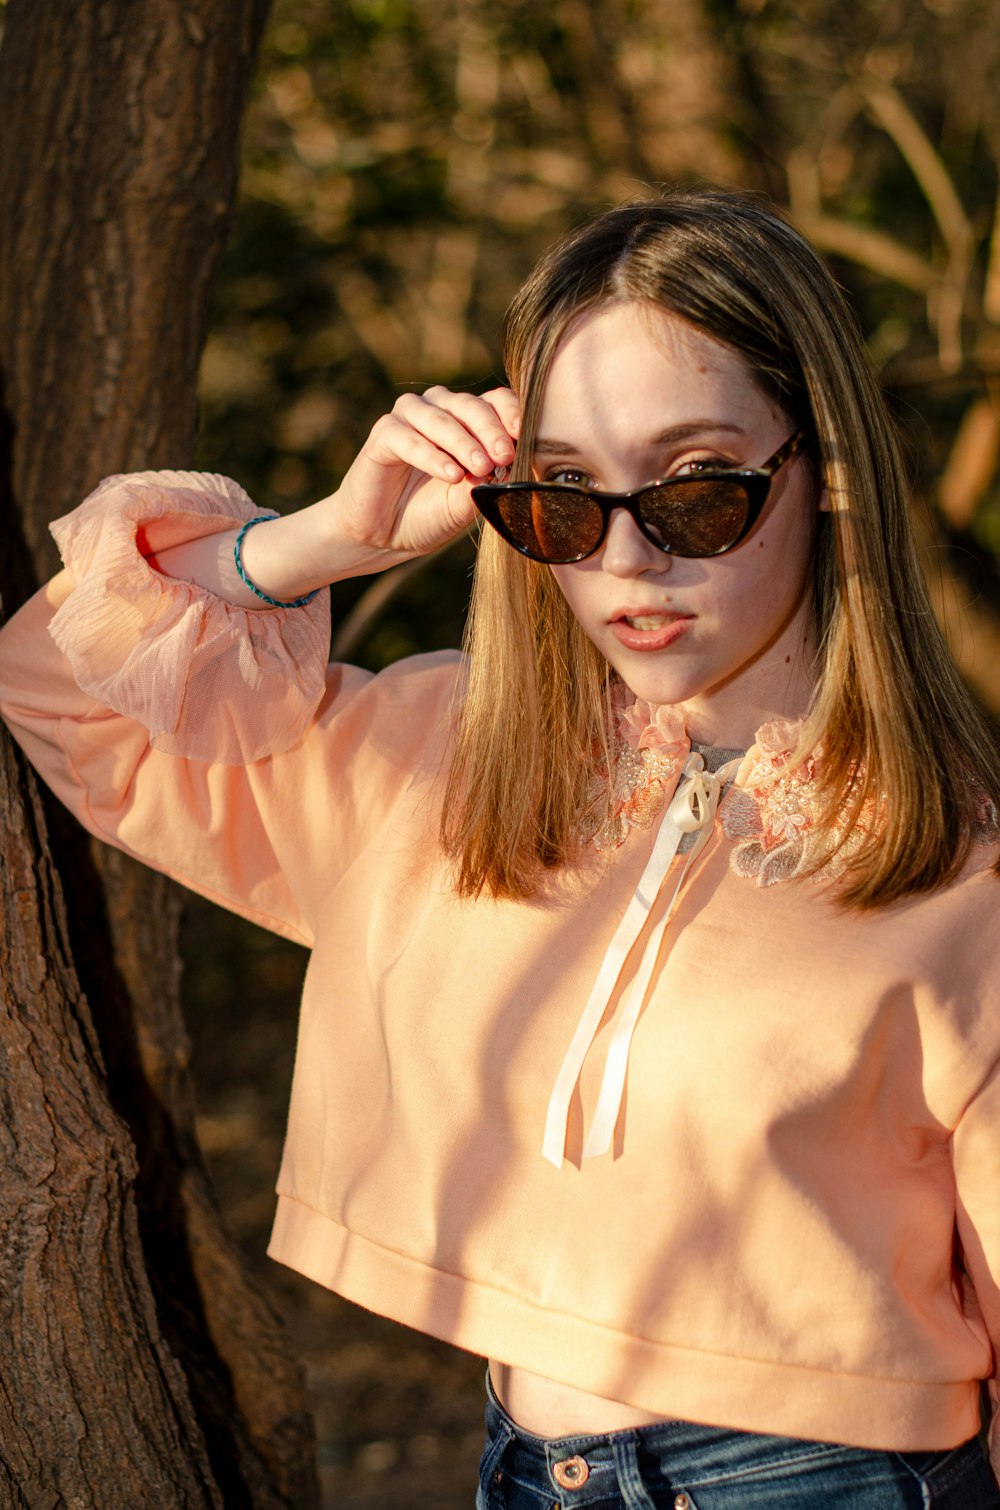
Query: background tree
x=139, y=1363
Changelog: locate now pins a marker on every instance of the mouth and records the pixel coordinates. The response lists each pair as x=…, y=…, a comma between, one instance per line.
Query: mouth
x=649, y=631
x=645, y=620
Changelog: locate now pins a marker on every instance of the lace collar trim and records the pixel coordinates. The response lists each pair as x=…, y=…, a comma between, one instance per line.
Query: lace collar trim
x=770, y=809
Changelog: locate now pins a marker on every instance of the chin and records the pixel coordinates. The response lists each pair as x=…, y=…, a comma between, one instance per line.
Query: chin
x=659, y=689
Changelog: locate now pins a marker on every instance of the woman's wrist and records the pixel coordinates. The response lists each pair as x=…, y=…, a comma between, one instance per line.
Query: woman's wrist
x=248, y=581
x=286, y=558
x=295, y=554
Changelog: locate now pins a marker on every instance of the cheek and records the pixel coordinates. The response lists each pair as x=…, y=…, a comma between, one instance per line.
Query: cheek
x=573, y=583
x=581, y=589
x=753, y=591
x=781, y=559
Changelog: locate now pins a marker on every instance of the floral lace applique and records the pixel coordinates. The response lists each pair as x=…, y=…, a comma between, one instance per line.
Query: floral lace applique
x=652, y=749
x=772, y=815
x=771, y=811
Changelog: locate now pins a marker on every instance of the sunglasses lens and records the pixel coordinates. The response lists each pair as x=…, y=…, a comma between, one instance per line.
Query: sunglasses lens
x=551, y=526
x=694, y=516
x=688, y=516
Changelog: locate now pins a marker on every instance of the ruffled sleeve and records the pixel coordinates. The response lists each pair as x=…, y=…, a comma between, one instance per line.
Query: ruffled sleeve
x=209, y=681
x=211, y=742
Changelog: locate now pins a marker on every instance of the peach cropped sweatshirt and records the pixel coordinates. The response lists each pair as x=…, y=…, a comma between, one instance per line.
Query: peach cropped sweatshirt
x=679, y=1130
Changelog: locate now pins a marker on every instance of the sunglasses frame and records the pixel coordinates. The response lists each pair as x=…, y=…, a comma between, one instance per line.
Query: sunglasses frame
x=755, y=481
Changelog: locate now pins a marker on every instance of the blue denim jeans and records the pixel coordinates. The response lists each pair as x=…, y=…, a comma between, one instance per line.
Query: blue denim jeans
x=677, y=1465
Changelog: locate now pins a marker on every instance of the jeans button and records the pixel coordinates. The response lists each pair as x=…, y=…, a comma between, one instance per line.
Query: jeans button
x=570, y=1473
x=682, y=1502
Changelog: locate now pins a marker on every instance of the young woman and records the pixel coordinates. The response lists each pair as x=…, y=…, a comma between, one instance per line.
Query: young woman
x=649, y=1043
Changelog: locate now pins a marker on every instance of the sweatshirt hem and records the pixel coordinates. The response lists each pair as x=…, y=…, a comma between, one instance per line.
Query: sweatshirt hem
x=675, y=1381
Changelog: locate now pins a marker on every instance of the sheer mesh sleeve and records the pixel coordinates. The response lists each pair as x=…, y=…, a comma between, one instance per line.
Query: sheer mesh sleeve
x=208, y=680
x=211, y=742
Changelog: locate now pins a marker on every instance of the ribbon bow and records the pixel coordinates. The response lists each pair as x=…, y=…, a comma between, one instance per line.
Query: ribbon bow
x=690, y=810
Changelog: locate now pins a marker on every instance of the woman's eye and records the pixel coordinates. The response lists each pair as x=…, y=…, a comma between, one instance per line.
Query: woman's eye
x=698, y=464
x=571, y=475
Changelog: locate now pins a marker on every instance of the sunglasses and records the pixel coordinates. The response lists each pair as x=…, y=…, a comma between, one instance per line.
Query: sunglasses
x=705, y=514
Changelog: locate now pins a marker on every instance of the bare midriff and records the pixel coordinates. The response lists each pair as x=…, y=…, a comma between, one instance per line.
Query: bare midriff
x=547, y=1409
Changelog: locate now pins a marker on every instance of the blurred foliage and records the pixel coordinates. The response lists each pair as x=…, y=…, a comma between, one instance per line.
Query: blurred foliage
x=405, y=162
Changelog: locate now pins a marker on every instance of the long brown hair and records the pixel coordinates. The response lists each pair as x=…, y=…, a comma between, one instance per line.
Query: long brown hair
x=898, y=730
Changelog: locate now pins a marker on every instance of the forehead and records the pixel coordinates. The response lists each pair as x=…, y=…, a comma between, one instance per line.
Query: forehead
x=625, y=370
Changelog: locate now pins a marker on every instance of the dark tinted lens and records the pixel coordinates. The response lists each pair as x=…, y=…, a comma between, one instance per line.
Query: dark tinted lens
x=695, y=516
x=551, y=526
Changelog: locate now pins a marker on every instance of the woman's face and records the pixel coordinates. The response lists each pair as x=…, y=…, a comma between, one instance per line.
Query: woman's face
x=634, y=395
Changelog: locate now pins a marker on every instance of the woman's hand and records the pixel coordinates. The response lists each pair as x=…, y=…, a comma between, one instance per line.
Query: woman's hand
x=409, y=489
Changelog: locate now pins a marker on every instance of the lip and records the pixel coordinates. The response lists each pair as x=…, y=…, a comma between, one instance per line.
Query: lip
x=674, y=626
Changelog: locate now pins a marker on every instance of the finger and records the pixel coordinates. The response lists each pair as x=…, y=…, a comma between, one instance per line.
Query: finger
x=483, y=417
x=394, y=440
x=488, y=439
x=508, y=407
x=432, y=418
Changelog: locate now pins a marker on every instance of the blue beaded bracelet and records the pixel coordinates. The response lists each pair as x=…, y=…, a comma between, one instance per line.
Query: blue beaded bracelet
x=238, y=557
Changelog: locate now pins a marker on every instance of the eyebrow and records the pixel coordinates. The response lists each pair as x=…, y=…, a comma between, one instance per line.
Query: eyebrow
x=674, y=433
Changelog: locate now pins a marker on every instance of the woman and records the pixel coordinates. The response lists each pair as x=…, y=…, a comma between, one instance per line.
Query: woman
x=649, y=1040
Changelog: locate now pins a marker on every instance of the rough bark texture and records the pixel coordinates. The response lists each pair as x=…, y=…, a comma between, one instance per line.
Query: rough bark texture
x=121, y=119
x=94, y=1408
x=138, y=1364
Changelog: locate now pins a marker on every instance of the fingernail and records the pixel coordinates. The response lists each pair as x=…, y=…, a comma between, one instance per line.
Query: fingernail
x=453, y=470
x=480, y=459
x=503, y=448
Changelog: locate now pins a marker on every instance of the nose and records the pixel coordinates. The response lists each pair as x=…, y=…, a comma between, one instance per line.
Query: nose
x=627, y=553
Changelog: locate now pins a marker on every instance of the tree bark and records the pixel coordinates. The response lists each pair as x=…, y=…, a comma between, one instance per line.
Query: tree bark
x=138, y=1363
x=94, y=1408
x=121, y=121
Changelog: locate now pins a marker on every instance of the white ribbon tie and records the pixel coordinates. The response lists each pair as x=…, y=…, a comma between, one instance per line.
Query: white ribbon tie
x=690, y=810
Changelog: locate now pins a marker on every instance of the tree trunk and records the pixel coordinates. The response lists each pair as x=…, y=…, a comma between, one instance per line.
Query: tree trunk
x=139, y=1366
x=94, y=1408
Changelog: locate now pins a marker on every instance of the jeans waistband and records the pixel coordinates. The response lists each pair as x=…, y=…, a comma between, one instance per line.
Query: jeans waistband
x=691, y=1448
x=689, y=1454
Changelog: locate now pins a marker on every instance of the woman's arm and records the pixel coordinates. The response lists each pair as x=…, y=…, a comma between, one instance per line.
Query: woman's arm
x=204, y=736
x=406, y=494
x=976, y=1155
